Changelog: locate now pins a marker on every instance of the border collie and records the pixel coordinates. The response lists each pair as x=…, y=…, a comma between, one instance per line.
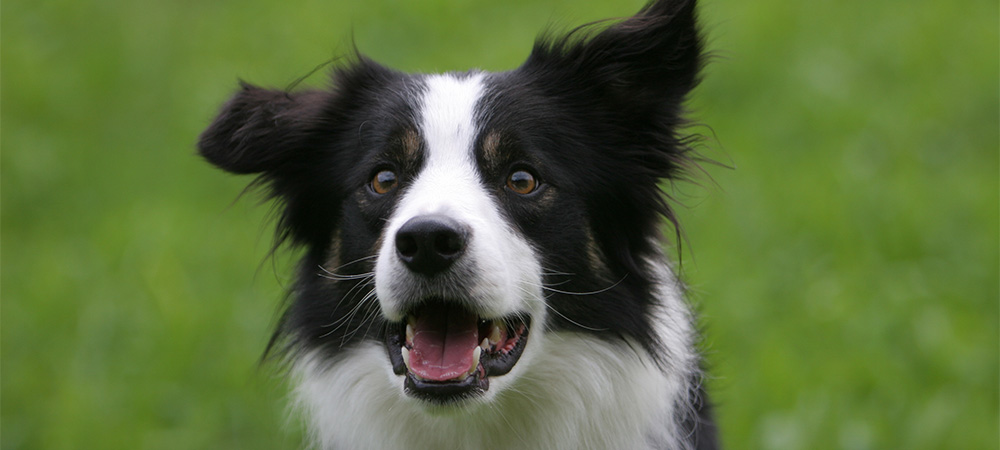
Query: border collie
x=482, y=259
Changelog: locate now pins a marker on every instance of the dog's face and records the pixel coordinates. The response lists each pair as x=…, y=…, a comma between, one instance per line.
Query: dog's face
x=459, y=219
x=455, y=188
x=458, y=282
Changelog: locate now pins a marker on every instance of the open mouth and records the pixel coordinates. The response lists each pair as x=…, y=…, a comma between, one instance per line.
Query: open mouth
x=448, y=353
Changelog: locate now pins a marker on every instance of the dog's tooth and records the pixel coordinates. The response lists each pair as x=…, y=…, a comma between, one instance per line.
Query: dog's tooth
x=476, y=352
x=406, y=356
x=409, y=334
x=494, y=334
x=485, y=345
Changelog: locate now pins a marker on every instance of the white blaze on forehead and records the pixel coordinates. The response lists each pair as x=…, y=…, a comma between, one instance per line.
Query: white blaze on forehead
x=448, y=182
x=498, y=268
x=448, y=118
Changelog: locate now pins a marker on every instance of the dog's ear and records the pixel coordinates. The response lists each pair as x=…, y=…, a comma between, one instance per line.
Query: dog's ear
x=647, y=62
x=296, y=142
x=620, y=89
x=259, y=130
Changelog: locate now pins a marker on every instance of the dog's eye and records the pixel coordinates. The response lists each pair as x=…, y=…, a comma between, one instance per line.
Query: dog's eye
x=522, y=182
x=384, y=181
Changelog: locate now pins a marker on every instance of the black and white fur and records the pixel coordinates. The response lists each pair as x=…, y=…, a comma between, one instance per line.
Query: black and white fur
x=409, y=193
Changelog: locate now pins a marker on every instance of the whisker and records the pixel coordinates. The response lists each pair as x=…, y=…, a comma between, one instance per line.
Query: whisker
x=346, y=318
x=557, y=284
x=350, y=295
x=554, y=272
x=599, y=291
x=573, y=321
x=372, y=315
x=367, y=318
x=335, y=277
x=332, y=271
x=547, y=305
x=360, y=285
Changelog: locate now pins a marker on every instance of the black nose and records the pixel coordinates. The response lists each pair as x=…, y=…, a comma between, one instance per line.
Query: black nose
x=430, y=244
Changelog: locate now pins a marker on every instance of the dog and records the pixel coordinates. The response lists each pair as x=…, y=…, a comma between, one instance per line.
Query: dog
x=482, y=261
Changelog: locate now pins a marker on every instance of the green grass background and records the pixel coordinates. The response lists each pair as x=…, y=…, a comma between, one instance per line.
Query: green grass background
x=846, y=268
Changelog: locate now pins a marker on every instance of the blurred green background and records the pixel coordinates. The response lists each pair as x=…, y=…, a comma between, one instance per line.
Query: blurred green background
x=846, y=268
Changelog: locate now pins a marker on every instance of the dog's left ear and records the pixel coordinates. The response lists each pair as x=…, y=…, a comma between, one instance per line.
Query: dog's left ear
x=647, y=63
x=259, y=130
x=621, y=90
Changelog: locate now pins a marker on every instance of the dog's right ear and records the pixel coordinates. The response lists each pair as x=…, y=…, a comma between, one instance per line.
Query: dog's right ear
x=260, y=130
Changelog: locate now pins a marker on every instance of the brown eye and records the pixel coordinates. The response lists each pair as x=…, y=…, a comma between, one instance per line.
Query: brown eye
x=522, y=182
x=384, y=181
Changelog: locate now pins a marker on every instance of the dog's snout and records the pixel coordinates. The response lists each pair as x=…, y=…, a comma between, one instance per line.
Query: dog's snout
x=429, y=244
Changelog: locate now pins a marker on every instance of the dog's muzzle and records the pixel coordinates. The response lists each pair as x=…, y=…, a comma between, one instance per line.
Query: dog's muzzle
x=445, y=348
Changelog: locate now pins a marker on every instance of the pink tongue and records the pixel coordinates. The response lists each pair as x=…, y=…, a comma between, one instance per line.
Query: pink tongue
x=443, y=341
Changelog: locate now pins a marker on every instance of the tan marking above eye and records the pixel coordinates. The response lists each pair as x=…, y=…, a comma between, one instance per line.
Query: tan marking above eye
x=491, y=145
x=522, y=182
x=411, y=142
x=384, y=182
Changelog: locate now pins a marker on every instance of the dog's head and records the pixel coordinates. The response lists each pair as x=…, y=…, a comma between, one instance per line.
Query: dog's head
x=457, y=219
